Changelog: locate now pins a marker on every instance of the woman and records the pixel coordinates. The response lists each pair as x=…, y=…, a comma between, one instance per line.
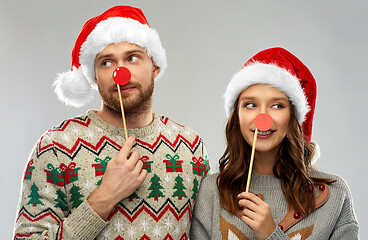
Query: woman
x=288, y=199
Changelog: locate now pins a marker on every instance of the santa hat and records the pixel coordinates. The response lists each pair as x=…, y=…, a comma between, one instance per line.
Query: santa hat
x=282, y=70
x=117, y=24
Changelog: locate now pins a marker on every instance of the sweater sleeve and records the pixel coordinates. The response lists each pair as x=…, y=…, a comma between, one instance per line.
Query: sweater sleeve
x=201, y=225
x=347, y=225
x=206, y=159
x=43, y=212
x=278, y=234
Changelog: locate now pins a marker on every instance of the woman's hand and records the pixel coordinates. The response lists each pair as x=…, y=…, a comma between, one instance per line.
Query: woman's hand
x=256, y=213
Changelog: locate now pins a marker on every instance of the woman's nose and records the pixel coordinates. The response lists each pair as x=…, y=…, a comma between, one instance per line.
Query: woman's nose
x=263, y=109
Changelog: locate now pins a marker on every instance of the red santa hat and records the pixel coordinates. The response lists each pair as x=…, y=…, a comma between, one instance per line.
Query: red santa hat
x=282, y=70
x=117, y=24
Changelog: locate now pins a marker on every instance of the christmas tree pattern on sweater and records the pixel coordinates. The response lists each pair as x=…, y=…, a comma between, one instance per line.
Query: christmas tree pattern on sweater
x=69, y=162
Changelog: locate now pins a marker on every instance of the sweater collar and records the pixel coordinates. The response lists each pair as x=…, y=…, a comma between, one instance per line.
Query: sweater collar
x=137, y=132
x=260, y=181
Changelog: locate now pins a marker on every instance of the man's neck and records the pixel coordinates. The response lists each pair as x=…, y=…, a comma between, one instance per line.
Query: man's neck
x=133, y=120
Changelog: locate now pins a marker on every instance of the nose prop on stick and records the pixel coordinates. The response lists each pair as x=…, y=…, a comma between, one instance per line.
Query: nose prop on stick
x=121, y=76
x=263, y=122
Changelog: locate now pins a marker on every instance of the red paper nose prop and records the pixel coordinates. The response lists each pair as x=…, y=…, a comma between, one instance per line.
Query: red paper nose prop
x=263, y=121
x=121, y=75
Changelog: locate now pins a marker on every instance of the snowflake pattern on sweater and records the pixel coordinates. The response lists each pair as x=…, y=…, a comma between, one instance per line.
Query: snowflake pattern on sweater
x=69, y=161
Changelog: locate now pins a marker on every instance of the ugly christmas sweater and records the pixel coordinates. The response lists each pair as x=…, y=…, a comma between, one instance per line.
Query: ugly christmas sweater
x=69, y=161
x=333, y=217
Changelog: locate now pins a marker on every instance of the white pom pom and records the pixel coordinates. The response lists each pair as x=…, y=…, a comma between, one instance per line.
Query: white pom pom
x=73, y=88
x=316, y=154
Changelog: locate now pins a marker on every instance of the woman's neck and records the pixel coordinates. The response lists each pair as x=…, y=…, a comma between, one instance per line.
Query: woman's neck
x=264, y=162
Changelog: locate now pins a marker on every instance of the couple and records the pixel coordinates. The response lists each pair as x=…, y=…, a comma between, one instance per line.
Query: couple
x=84, y=180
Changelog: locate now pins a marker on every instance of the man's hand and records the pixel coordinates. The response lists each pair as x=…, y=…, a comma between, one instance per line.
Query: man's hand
x=123, y=175
x=257, y=214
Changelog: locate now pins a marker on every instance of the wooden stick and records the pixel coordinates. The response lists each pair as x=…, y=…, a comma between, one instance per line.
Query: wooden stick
x=251, y=159
x=122, y=112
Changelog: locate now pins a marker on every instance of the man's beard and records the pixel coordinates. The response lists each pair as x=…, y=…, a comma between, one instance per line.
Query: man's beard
x=134, y=104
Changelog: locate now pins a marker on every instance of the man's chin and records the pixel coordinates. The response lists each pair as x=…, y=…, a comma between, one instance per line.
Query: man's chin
x=129, y=107
x=132, y=107
x=132, y=104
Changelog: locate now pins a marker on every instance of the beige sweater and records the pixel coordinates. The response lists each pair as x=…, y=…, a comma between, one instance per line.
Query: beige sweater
x=69, y=161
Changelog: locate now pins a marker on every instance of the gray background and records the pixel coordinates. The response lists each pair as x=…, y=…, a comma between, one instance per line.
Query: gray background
x=206, y=42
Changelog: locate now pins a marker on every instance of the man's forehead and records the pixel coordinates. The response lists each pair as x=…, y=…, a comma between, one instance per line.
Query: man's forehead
x=122, y=47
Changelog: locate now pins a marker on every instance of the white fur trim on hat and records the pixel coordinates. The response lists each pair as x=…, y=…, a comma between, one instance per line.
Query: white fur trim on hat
x=74, y=87
x=117, y=30
x=261, y=73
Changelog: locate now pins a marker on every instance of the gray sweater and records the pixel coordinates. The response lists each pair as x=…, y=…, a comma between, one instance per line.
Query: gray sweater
x=333, y=217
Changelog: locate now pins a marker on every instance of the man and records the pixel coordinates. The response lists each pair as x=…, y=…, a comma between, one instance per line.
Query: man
x=84, y=180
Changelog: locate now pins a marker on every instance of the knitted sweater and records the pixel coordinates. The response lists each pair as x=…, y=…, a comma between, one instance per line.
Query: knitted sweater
x=69, y=161
x=332, y=219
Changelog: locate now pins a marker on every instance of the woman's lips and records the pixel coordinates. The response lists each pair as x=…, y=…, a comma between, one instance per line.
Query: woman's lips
x=264, y=134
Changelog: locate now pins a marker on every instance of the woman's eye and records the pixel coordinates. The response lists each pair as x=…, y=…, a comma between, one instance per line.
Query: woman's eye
x=277, y=106
x=250, y=105
x=106, y=63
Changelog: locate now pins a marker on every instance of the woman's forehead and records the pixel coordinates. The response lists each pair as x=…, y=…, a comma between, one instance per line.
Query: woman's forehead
x=262, y=91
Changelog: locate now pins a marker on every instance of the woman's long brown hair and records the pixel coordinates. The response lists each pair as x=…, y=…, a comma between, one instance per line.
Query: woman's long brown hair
x=291, y=167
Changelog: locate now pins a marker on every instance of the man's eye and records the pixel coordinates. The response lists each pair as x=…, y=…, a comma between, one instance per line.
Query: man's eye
x=250, y=105
x=106, y=63
x=133, y=58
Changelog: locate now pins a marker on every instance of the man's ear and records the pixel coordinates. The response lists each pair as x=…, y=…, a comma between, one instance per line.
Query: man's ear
x=156, y=71
x=95, y=76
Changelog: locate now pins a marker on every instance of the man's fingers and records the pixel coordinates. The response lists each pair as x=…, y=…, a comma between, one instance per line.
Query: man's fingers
x=142, y=176
x=134, y=156
x=138, y=166
x=127, y=147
